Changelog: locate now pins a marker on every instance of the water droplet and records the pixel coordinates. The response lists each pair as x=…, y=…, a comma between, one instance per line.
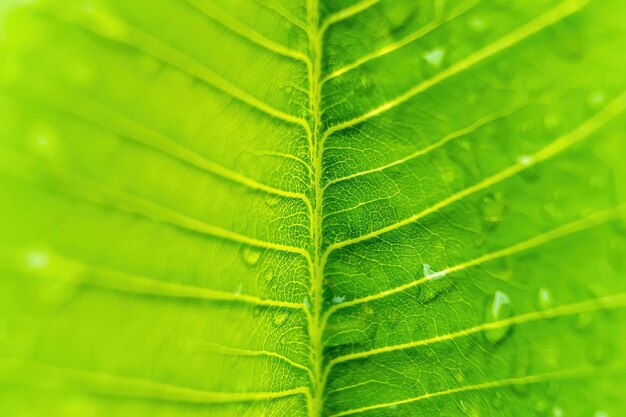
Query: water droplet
x=557, y=411
x=553, y=210
x=280, y=318
x=466, y=144
x=477, y=24
x=307, y=303
x=271, y=200
x=596, y=98
x=238, y=291
x=499, y=309
x=468, y=408
x=583, y=321
x=497, y=401
x=435, y=57
x=433, y=275
x=600, y=413
x=525, y=159
x=492, y=208
x=435, y=285
x=37, y=259
x=552, y=121
x=365, y=80
x=540, y=405
x=393, y=406
x=251, y=255
x=339, y=300
x=459, y=376
x=268, y=275
x=544, y=298
x=397, y=13
x=43, y=141
x=257, y=311
x=520, y=364
x=463, y=407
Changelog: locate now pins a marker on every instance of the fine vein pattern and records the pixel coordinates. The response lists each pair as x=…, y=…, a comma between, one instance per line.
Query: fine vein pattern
x=312, y=208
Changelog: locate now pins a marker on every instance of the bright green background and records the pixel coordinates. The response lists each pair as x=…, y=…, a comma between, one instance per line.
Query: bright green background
x=285, y=208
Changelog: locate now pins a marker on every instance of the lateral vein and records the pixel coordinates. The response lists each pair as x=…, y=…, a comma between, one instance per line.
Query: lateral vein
x=590, y=126
x=214, y=13
x=109, y=384
x=412, y=37
x=549, y=18
x=528, y=379
x=98, y=114
x=344, y=14
x=588, y=222
x=104, y=195
x=612, y=301
x=227, y=350
x=150, y=45
x=427, y=149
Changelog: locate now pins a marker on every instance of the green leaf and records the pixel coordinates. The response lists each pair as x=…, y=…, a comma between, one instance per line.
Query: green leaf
x=322, y=208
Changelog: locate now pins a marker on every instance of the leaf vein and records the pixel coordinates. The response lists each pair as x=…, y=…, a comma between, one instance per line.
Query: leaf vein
x=544, y=21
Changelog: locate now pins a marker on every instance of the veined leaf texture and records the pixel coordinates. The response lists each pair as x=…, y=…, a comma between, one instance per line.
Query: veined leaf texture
x=314, y=208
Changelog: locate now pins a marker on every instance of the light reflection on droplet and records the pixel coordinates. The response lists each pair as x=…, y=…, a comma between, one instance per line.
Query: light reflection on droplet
x=435, y=57
x=499, y=309
x=37, y=259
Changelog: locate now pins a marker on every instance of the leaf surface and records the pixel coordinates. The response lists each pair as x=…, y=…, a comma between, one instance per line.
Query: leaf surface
x=320, y=208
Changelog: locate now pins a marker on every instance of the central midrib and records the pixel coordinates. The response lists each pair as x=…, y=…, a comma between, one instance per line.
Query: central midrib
x=316, y=330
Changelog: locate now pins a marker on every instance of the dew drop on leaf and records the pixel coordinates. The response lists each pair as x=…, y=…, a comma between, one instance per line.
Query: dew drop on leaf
x=557, y=411
x=492, y=208
x=497, y=401
x=37, y=259
x=525, y=159
x=338, y=299
x=552, y=121
x=435, y=57
x=463, y=407
x=544, y=298
x=365, y=81
x=499, y=309
x=280, y=318
x=250, y=255
x=552, y=210
x=433, y=275
x=540, y=405
x=583, y=321
x=271, y=200
x=520, y=364
x=600, y=413
x=477, y=24
x=435, y=285
x=43, y=141
x=596, y=99
x=268, y=275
